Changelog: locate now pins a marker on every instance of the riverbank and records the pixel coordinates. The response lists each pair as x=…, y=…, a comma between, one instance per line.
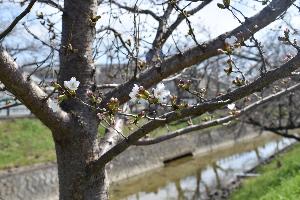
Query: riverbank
x=24, y=142
x=203, y=176
x=278, y=179
x=41, y=181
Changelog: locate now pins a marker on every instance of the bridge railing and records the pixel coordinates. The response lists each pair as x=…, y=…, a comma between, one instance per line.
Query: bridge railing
x=15, y=112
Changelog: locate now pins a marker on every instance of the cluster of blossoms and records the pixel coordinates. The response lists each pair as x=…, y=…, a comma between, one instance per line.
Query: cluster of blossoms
x=72, y=84
x=232, y=109
x=93, y=98
x=161, y=93
x=113, y=105
x=69, y=89
x=138, y=92
x=158, y=95
x=231, y=106
x=108, y=114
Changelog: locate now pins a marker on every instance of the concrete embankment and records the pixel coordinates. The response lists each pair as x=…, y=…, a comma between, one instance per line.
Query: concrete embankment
x=41, y=182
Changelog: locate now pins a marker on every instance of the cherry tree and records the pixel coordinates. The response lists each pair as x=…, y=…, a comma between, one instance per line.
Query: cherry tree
x=76, y=106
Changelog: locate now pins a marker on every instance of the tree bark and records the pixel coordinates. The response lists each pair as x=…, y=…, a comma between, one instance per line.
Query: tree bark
x=80, y=145
x=74, y=181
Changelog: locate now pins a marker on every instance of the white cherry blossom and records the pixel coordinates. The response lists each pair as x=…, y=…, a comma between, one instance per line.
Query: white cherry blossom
x=231, y=41
x=53, y=105
x=72, y=84
x=161, y=93
x=231, y=106
x=134, y=92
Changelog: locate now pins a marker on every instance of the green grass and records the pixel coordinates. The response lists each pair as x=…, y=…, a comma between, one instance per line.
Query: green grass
x=24, y=142
x=28, y=141
x=279, y=180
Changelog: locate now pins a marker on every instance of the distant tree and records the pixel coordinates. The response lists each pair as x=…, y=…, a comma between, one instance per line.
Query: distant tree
x=77, y=105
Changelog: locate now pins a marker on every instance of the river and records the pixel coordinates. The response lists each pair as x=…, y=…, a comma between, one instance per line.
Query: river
x=200, y=176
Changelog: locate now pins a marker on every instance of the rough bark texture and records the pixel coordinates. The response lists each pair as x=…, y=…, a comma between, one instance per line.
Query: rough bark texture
x=80, y=146
x=74, y=182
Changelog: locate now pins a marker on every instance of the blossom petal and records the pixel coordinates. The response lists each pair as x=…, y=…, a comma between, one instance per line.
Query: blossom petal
x=72, y=84
x=134, y=92
x=160, y=92
x=231, y=106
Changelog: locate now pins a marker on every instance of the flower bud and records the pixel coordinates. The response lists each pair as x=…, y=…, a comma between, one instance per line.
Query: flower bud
x=89, y=93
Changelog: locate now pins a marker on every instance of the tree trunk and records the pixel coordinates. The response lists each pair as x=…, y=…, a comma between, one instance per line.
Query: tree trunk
x=79, y=146
x=74, y=182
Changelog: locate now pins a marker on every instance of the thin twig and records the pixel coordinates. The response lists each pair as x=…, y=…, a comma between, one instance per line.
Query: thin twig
x=17, y=19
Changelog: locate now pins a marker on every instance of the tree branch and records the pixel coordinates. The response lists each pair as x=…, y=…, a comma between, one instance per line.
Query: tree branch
x=136, y=10
x=118, y=35
x=276, y=130
x=107, y=86
x=30, y=94
x=197, y=54
x=17, y=19
x=53, y=4
x=208, y=106
x=10, y=106
x=219, y=121
x=163, y=33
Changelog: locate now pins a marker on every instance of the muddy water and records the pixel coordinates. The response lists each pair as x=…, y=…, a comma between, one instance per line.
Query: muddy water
x=200, y=176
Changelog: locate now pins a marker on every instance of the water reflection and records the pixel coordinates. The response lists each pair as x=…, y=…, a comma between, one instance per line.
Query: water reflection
x=198, y=178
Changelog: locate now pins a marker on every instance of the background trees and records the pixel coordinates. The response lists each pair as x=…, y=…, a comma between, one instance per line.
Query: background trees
x=143, y=43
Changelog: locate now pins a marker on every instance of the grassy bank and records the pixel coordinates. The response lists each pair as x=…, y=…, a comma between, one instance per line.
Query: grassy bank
x=28, y=141
x=279, y=180
x=24, y=142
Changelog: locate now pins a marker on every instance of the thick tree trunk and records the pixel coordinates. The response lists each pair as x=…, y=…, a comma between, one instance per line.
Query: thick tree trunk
x=74, y=181
x=79, y=146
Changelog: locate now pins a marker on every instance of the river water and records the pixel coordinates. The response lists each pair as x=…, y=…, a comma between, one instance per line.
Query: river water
x=201, y=176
